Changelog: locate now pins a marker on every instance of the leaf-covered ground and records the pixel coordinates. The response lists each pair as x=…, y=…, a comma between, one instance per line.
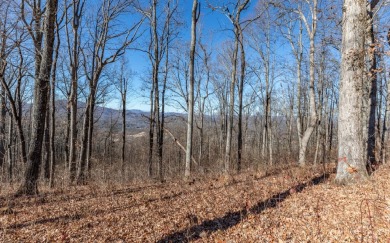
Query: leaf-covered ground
x=283, y=205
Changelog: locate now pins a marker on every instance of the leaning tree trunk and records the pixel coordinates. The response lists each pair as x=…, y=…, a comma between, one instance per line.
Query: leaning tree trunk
x=351, y=165
x=29, y=184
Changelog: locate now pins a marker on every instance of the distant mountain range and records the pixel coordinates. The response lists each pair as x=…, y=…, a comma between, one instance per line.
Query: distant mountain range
x=136, y=120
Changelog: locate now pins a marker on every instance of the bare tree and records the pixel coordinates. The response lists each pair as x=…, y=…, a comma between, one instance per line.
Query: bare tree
x=161, y=36
x=17, y=71
x=190, y=121
x=265, y=70
x=75, y=18
x=42, y=79
x=203, y=96
x=122, y=85
x=311, y=28
x=351, y=164
x=234, y=17
x=103, y=51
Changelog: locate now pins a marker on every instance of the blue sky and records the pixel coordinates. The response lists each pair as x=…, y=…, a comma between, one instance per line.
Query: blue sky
x=214, y=27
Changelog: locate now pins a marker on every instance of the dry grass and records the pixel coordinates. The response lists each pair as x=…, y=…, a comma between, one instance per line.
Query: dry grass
x=289, y=205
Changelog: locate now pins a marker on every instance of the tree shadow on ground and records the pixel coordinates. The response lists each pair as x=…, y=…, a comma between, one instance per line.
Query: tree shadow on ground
x=58, y=197
x=231, y=219
x=60, y=219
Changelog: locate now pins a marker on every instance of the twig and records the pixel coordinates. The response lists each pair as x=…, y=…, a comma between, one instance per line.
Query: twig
x=180, y=145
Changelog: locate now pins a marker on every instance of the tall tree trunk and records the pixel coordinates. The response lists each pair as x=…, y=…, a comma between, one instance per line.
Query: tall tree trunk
x=67, y=136
x=240, y=97
x=241, y=5
x=386, y=122
x=190, y=110
x=2, y=125
x=53, y=111
x=73, y=122
x=370, y=93
x=29, y=184
x=151, y=133
x=74, y=52
x=155, y=118
x=298, y=55
x=351, y=165
x=124, y=97
x=84, y=143
x=313, y=119
x=46, y=143
x=15, y=102
x=229, y=126
x=90, y=140
x=202, y=104
x=158, y=125
x=10, y=146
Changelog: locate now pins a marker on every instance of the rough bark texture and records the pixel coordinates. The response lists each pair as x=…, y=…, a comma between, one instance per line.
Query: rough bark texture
x=29, y=184
x=351, y=165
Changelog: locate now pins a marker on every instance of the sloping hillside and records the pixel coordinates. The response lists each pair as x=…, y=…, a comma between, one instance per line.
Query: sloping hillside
x=285, y=205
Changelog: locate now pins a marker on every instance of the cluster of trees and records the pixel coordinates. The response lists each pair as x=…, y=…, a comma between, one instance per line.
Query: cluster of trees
x=266, y=93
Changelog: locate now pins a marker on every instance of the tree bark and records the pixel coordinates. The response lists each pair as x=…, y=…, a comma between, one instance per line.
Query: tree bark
x=240, y=96
x=124, y=98
x=237, y=31
x=351, y=165
x=2, y=125
x=41, y=88
x=46, y=143
x=53, y=112
x=370, y=94
x=74, y=53
x=10, y=146
x=190, y=121
x=313, y=119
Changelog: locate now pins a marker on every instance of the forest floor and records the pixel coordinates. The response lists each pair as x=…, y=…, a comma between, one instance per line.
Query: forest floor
x=283, y=205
